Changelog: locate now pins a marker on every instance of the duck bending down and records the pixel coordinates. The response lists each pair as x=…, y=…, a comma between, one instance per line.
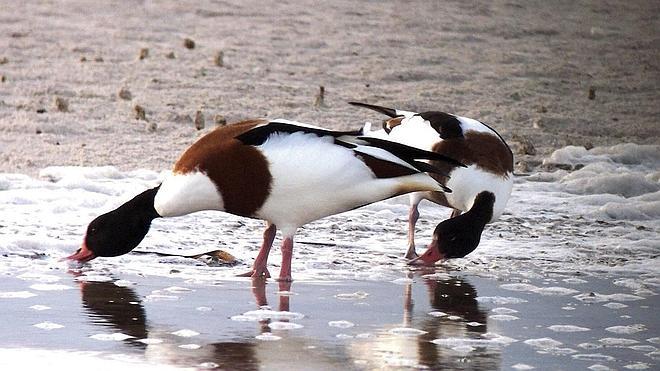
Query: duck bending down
x=480, y=190
x=283, y=172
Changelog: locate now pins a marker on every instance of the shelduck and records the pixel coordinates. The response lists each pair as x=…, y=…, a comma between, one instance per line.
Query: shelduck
x=480, y=190
x=284, y=172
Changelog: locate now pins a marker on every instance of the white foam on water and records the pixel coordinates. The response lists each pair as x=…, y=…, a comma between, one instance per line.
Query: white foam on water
x=599, y=367
x=543, y=343
x=190, y=346
x=567, y=328
x=503, y=317
x=352, y=296
x=267, y=336
x=594, y=357
x=117, y=336
x=617, y=342
x=47, y=325
x=500, y=300
x=185, y=333
x=627, y=329
x=503, y=310
x=637, y=366
x=268, y=314
x=208, y=366
x=594, y=297
x=344, y=336
x=406, y=331
x=341, y=324
x=488, y=340
x=40, y=307
x=643, y=348
x=16, y=295
x=437, y=314
x=522, y=367
x=603, y=217
x=539, y=290
x=176, y=289
x=614, y=305
x=654, y=340
x=284, y=326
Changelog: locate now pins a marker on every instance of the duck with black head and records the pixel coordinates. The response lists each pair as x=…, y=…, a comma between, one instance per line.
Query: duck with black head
x=283, y=172
x=481, y=189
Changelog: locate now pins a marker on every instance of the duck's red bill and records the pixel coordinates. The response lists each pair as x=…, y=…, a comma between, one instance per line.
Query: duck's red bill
x=82, y=255
x=430, y=256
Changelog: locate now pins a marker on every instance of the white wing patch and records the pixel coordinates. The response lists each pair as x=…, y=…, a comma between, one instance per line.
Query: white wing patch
x=468, y=124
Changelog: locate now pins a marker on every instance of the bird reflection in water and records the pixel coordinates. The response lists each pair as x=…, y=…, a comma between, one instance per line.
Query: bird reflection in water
x=120, y=308
x=107, y=304
x=462, y=317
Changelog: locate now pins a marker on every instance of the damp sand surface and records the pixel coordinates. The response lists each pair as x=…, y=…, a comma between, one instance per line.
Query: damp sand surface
x=426, y=319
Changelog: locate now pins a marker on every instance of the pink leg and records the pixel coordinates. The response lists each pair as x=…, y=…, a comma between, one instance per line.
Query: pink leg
x=260, y=267
x=413, y=216
x=287, y=254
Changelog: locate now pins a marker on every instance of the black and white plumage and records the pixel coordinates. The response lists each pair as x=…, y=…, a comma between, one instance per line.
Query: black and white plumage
x=284, y=172
x=481, y=189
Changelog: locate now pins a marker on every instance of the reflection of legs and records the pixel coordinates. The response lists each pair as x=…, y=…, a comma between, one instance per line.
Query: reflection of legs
x=284, y=299
x=260, y=267
x=413, y=216
x=287, y=254
x=259, y=291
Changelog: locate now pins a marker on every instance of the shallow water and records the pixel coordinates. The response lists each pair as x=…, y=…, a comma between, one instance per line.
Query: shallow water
x=434, y=319
x=566, y=279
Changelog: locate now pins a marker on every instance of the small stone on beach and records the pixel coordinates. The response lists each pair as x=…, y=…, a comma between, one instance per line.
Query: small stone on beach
x=140, y=113
x=220, y=120
x=188, y=43
x=4, y=60
x=61, y=104
x=320, y=97
x=125, y=94
x=592, y=93
x=218, y=59
x=151, y=127
x=144, y=53
x=199, y=120
x=170, y=55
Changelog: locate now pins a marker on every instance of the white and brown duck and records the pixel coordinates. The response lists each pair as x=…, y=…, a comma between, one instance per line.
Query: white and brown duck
x=480, y=190
x=283, y=172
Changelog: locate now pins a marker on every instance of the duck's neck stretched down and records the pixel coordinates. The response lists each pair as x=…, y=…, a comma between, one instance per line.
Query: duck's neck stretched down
x=482, y=208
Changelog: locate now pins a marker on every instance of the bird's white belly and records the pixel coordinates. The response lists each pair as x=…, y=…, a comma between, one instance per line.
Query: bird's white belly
x=467, y=183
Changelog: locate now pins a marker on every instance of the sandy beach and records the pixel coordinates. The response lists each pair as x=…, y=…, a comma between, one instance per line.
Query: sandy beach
x=97, y=99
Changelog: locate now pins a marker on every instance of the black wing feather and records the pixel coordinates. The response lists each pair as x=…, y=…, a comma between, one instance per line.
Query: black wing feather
x=384, y=110
x=409, y=153
x=258, y=135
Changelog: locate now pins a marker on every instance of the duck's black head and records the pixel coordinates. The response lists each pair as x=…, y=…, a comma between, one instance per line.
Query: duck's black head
x=119, y=231
x=459, y=236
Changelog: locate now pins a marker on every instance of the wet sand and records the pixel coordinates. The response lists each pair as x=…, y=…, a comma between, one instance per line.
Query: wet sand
x=435, y=319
